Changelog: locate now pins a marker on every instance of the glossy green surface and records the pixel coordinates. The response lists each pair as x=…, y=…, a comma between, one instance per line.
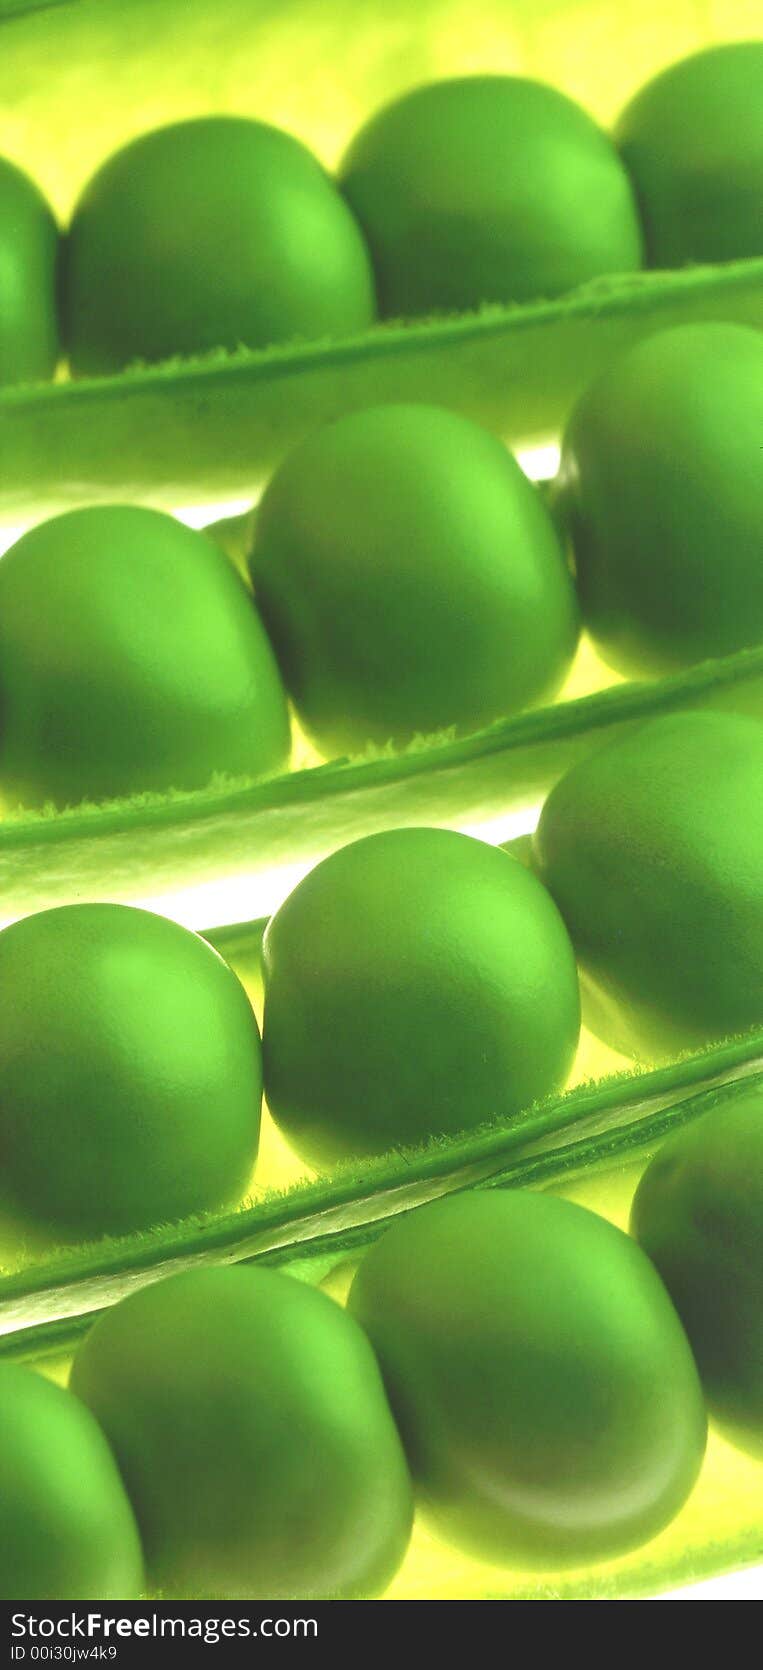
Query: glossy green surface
x=488, y=189
x=249, y=1420
x=692, y=140
x=661, y=487
x=410, y=580
x=67, y=1530
x=215, y=233
x=131, y=658
x=28, y=262
x=130, y=1071
x=402, y=985
x=698, y=1213
x=653, y=850
x=543, y=1386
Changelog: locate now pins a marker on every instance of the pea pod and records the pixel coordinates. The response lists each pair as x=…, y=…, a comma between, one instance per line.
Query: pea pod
x=571, y=1141
x=167, y=841
x=653, y=850
x=698, y=1213
x=545, y=1390
x=204, y=428
x=214, y=426
x=250, y=1424
x=67, y=1531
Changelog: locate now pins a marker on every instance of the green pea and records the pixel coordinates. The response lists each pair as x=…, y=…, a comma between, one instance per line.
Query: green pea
x=653, y=850
x=698, y=1213
x=67, y=1530
x=248, y=1417
x=661, y=487
x=488, y=188
x=544, y=1389
x=213, y=233
x=692, y=140
x=131, y=658
x=130, y=1071
x=28, y=263
x=410, y=580
x=416, y=982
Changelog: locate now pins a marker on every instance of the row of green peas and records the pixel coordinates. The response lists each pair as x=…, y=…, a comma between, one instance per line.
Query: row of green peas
x=223, y=231
x=526, y=1375
x=408, y=581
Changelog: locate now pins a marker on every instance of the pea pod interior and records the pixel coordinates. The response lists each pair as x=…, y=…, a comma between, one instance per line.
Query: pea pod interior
x=78, y=81
x=212, y=429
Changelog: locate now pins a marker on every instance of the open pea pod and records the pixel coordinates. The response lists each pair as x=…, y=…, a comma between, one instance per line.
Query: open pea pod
x=76, y=81
x=591, y=1143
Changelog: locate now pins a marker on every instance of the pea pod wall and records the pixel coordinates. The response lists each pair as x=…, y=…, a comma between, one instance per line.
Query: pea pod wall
x=203, y=429
x=161, y=843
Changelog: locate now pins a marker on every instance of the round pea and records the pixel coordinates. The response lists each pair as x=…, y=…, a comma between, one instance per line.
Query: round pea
x=213, y=233
x=28, y=262
x=67, y=1530
x=653, y=850
x=543, y=1386
x=698, y=1213
x=130, y=1071
x=416, y=982
x=692, y=140
x=661, y=487
x=249, y=1420
x=131, y=659
x=488, y=188
x=410, y=580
